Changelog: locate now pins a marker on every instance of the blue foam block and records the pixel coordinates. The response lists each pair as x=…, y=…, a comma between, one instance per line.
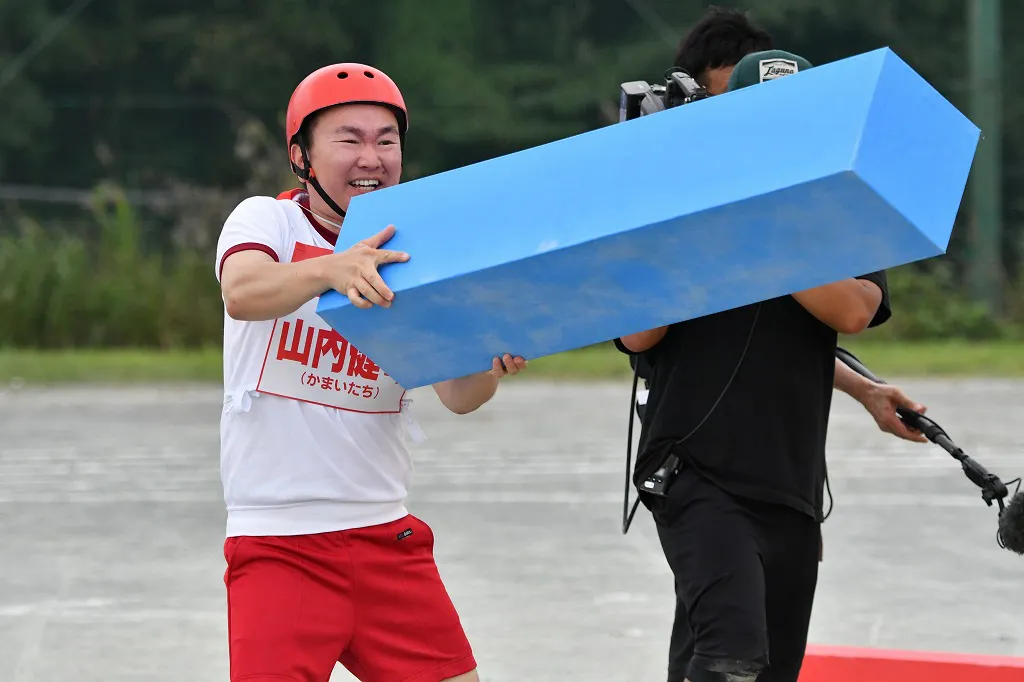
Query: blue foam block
x=850, y=167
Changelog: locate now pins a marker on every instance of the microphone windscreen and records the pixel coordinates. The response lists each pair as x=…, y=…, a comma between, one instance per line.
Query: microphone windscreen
x=1011, y=525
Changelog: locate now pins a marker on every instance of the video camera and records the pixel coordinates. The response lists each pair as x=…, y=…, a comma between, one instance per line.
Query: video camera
x=639, y=98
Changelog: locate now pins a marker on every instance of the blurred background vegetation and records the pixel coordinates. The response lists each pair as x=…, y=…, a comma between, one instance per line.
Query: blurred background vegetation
x=129, y=130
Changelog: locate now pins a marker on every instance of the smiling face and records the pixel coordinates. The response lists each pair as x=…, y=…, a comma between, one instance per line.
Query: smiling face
x=353, y=149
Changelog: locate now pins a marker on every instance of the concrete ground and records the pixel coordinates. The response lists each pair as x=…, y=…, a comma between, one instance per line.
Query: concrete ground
x=112, y=528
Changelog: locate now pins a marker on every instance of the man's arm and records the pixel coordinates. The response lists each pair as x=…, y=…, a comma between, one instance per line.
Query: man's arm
x=847, y=306
x=880, y=400
x=467, y=394
x=643, y=341
x=848, y=381
x=255, y=287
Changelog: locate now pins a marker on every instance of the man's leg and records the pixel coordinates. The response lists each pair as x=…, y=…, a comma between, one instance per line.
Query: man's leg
x=468, y=677
x=713, y=550
x=791, y=577
x=680, y=647
x=406, y=627
x=289, y=608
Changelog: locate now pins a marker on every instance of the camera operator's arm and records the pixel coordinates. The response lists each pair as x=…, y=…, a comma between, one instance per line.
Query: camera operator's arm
x=848, y=306
x=880, y=400
x=643, y=341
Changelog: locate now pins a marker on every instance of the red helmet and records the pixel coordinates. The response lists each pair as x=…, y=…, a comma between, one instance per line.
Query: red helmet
x=347, y=83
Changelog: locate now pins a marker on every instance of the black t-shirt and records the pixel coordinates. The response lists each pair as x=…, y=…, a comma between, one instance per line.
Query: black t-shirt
x=765, y=439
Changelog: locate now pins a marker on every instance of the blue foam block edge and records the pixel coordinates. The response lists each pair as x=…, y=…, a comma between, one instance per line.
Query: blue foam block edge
x=851, y=167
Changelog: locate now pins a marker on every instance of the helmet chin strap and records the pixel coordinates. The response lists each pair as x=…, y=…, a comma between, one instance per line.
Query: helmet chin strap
x=306, y=173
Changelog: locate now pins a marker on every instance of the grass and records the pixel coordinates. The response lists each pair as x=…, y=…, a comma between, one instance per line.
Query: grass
x=108, y=366
x=942, y=358
x=917, y=359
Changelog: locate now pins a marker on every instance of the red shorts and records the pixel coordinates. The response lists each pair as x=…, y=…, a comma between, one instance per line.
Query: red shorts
x=370, y=598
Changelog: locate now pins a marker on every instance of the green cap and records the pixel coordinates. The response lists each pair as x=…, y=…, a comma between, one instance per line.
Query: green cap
x=759, y=67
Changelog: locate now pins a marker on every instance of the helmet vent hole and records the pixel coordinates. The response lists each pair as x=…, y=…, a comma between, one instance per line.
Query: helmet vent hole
x=367, y=74
x=343, y=74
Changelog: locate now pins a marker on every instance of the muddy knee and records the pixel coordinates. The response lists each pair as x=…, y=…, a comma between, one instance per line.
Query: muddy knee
x=725, y=670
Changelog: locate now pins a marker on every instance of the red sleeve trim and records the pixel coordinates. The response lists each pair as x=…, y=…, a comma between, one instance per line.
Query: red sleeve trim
x=246, y=246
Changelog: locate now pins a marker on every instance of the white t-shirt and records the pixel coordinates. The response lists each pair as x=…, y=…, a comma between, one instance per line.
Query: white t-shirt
x=312, y=431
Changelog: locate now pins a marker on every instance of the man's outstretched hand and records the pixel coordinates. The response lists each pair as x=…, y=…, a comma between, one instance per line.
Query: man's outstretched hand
x=506, y=365
x=353, y=271
x=881, y=401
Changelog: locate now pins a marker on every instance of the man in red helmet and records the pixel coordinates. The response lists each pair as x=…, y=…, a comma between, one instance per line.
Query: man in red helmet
x=324, y=562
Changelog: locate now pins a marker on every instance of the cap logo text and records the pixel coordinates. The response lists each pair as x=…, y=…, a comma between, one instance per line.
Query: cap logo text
x=771, y=69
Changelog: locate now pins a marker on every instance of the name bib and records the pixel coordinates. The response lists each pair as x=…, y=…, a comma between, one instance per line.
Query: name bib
x=308, y=361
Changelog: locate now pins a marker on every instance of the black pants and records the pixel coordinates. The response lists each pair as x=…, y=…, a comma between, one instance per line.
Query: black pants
x=745, y=575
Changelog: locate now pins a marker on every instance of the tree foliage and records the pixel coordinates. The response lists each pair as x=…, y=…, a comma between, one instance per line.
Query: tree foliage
x=186, y=99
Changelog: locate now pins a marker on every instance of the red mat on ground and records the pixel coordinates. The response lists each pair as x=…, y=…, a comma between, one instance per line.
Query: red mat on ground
x=847, y=664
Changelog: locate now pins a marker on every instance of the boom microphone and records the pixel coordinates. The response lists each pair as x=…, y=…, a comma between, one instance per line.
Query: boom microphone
x=1011, y=515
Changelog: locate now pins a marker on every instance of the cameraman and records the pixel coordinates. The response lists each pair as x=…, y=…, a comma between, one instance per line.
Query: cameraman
x=738, y=406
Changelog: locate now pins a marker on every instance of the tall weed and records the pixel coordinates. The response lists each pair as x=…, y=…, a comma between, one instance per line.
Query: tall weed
x=107, y=289
x=65, y=290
